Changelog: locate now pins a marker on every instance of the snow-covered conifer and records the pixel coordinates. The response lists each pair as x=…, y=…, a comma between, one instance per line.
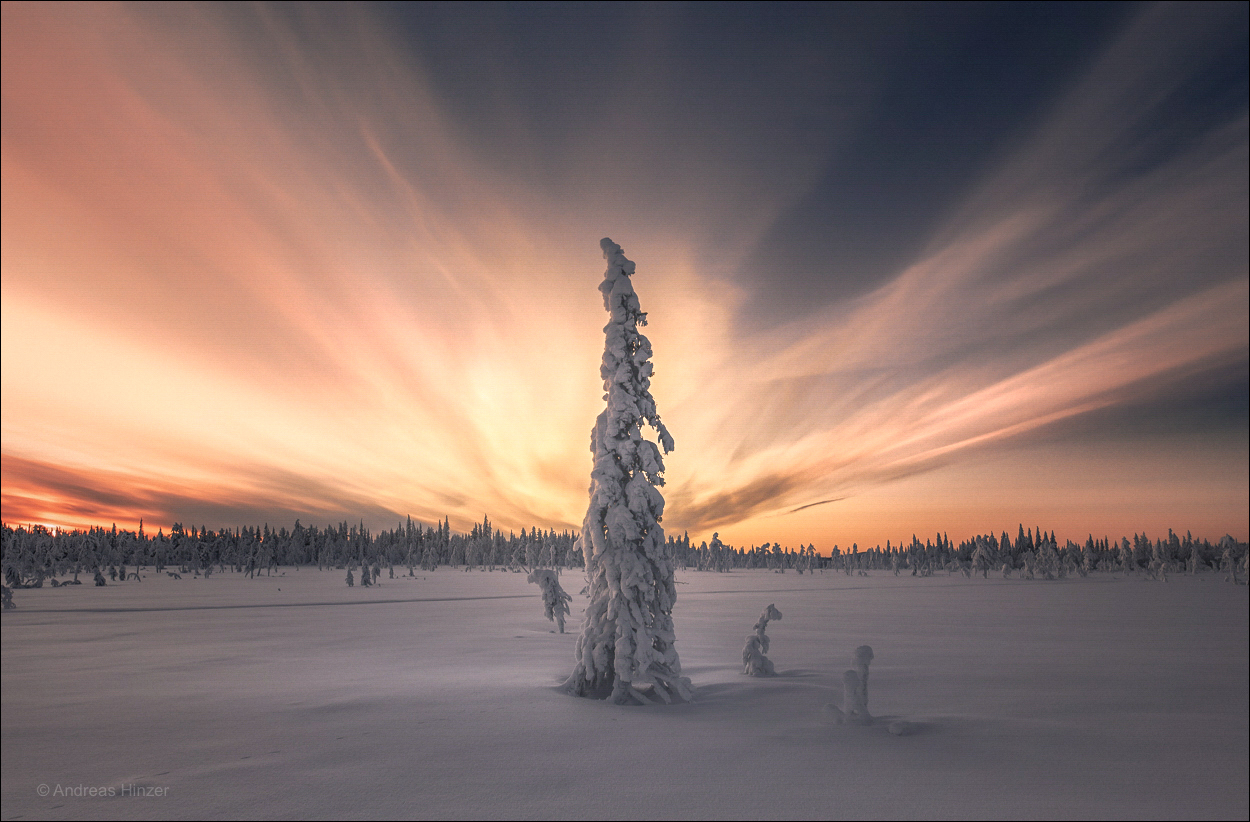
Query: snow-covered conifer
x=754, y=661
x=854, y=710
x=861, y=659
x=714, y=550
x=555, y=600
x=1126, y=556
x=982, y=559
x=350, y=580
x=1047, y=559
x=1195, y=562
x=1228, y=564
x=854, y=691
x=626, y=644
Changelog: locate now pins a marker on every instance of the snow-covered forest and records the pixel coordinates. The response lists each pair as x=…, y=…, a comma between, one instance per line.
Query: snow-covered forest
x=33, y=555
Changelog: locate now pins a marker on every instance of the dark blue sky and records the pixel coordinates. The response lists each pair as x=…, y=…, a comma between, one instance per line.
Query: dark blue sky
x=895, y=112
x=903, y=108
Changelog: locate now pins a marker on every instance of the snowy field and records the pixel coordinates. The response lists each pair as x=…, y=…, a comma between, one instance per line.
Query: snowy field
x=296, y=696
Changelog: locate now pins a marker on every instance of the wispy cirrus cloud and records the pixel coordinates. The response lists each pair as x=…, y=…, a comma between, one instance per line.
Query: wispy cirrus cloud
x=283, y=260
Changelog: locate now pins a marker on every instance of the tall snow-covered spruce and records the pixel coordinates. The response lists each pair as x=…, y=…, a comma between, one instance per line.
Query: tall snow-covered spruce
x=625, y=650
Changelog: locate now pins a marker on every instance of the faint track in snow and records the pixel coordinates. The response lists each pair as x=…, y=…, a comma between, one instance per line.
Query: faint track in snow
x=776, y=591
x=266, y=605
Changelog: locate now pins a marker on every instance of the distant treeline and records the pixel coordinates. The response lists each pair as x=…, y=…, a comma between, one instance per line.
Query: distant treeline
x=33, y=554
x=30, y=555
x=1033, y=553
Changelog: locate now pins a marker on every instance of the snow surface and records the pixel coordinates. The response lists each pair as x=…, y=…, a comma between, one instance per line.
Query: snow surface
x=296, y=696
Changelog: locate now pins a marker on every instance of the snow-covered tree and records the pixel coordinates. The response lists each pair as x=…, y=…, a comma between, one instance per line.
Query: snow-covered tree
x=626, y=647
x=1047, y=562
x=1195, y=561
x=754, y=661
x=854, y=691
x=1228, y=564
x=861, y=660
x=716, y=551
x=982, y=558
x=555, y=600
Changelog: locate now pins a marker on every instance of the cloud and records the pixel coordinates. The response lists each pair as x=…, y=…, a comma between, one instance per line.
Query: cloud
x=813, y=505
x=42, y=492
x=1056, y=286
x=270, y=262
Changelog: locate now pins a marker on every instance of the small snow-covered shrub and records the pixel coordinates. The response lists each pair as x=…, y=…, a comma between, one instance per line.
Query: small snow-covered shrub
x=861, y=659
x=754, y=661
x=351, y=581
x=854, y=708
x=6, y=597
x=555, y=600
x=99, y=579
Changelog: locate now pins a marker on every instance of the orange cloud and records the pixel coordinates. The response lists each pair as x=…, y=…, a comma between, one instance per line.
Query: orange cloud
x=251, y=271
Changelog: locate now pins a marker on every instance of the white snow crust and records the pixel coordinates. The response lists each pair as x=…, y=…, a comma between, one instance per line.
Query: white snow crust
x=295, y=696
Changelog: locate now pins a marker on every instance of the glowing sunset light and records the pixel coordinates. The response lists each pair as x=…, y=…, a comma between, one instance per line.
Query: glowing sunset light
x=340, y=264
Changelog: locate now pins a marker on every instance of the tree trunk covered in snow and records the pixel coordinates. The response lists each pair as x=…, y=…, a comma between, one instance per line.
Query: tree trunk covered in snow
x=625, y=650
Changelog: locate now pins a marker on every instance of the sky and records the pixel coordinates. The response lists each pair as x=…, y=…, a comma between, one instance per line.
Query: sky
x=909, y=268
